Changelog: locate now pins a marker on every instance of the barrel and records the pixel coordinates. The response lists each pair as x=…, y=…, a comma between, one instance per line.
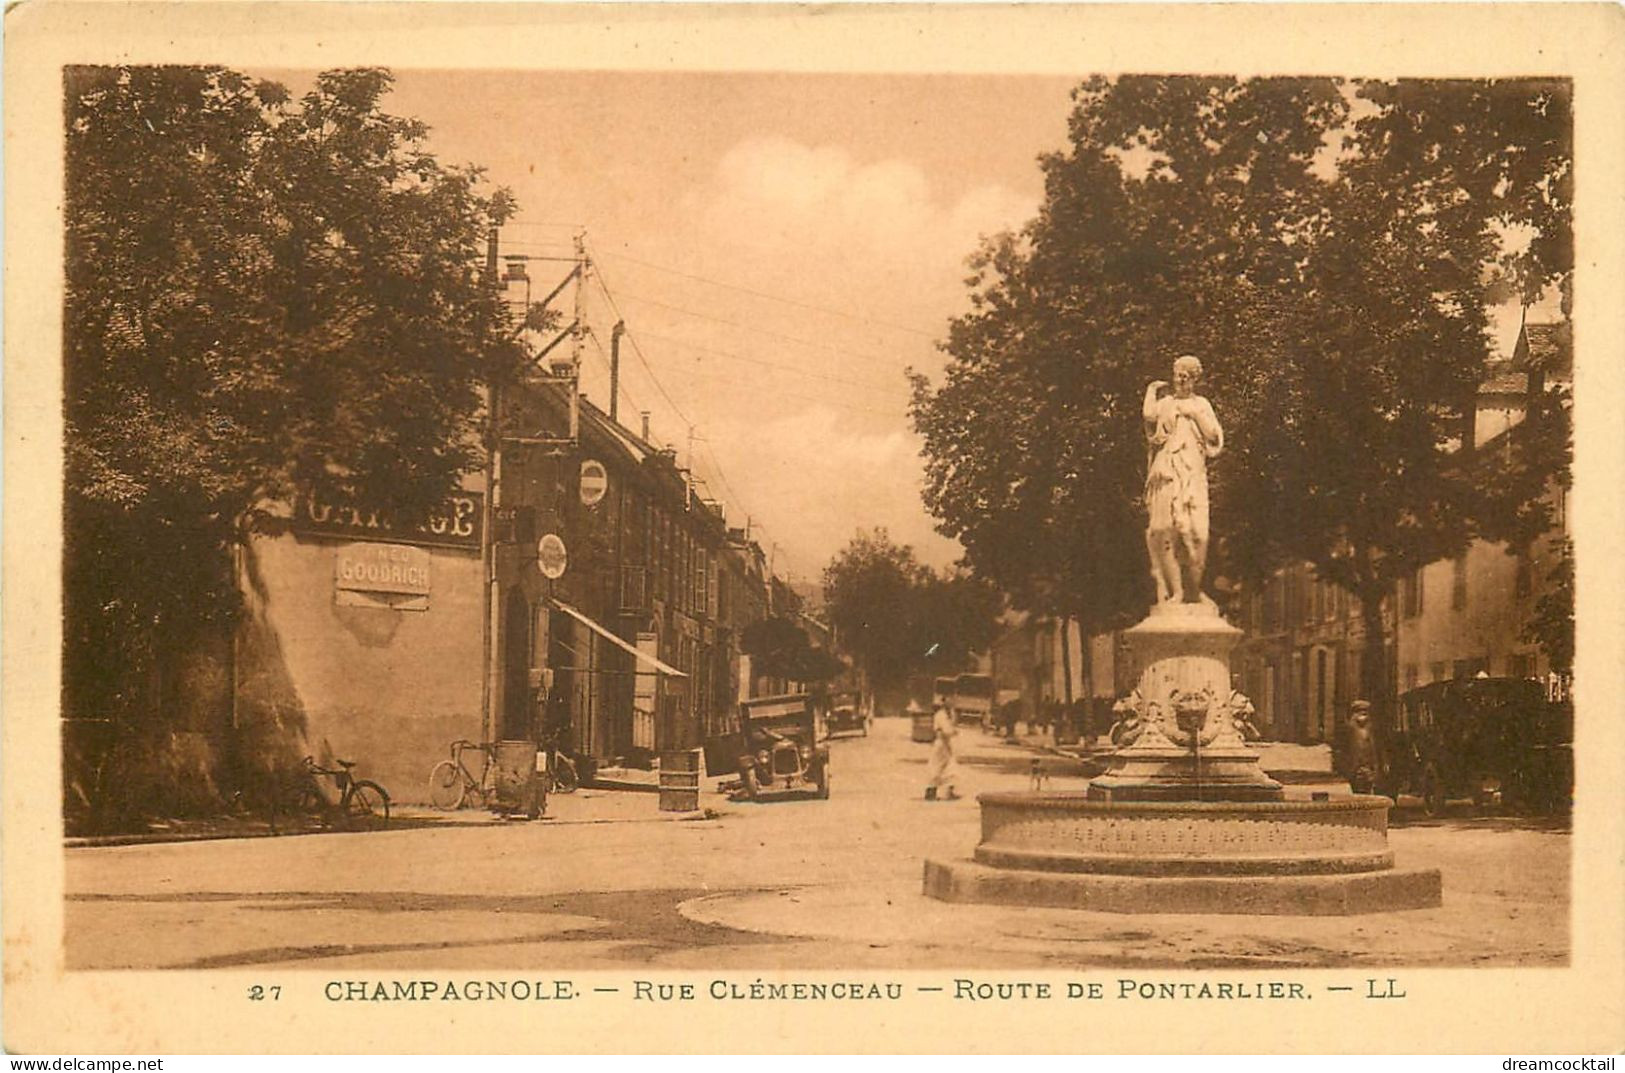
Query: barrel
x=922, y=729
x=518, y=788
x=680, y=781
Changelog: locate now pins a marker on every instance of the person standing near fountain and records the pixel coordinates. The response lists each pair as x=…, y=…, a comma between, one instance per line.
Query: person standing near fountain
x=1182, y=432
x=941, y=773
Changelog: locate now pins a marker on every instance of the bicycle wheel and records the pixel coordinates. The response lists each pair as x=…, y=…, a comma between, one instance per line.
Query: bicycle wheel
x=300, y=808
x=565, y=779
x=367, y=808
x=447, y=788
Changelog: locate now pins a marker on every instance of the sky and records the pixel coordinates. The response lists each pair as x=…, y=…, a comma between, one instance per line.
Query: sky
x=781, y=247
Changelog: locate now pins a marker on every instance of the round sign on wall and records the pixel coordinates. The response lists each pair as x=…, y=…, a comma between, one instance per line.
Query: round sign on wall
x=551, y=556
x=594, y=482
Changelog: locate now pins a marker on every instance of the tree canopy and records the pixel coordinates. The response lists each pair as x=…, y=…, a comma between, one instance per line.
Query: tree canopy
x=1330, y=250
x=897, y=617
x=265, y=296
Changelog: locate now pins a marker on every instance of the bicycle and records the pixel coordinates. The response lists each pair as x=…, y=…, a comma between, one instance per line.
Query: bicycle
x=562, y=775
x=451, y=784
x=363, y=805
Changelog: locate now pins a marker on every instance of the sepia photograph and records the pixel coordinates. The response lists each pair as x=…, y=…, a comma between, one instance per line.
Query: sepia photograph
x=719, y=538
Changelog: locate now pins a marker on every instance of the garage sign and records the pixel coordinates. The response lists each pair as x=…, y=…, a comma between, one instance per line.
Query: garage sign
x=551, y=556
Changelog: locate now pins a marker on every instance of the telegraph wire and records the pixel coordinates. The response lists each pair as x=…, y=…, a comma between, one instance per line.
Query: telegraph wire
x=871, y=384
x=775, y=297
x=752, y=328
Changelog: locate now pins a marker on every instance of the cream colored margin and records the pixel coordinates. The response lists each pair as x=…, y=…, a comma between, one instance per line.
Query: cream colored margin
x=1492, y=1011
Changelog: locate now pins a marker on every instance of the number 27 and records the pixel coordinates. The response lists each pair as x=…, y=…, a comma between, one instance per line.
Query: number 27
x=260, y=994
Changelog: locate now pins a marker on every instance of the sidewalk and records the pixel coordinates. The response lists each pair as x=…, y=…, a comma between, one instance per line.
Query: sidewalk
x=592, y=804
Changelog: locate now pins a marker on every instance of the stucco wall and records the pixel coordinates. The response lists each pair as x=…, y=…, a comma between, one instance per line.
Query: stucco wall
x=1486, y=629
x=387, y=688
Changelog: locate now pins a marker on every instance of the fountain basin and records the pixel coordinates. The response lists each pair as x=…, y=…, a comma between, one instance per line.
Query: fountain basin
x=1062, y=849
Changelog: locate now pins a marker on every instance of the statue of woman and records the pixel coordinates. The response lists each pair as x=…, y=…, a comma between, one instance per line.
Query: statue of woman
x=1182, y=433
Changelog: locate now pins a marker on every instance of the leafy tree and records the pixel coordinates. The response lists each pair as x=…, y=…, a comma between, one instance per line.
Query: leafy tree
x=780, y=649
x=264, y=297
x=1328, y=257
x=896, y=617
x=1551, y=626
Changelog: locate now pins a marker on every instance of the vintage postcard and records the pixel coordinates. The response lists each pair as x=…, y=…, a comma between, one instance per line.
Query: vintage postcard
x=880, y=528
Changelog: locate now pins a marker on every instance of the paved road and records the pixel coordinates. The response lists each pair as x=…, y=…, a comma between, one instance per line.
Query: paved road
x=607, y=883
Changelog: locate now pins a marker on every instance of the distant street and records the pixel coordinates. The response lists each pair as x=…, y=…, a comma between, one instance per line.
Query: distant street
x=608, y=883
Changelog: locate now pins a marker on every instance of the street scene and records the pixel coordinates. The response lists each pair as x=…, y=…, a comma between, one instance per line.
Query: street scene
x=606, y=883
x=591, y=521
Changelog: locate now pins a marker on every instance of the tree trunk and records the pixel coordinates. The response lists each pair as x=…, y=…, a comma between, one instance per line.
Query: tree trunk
x=1376, y=684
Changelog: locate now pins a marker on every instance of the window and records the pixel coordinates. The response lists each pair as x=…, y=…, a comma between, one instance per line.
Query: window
x=1411, y=594
x=1467, y=668
x=1458, y=582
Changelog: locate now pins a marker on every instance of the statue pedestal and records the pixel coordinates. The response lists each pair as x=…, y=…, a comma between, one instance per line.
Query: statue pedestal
x=1183, y=741
x=1184, y=820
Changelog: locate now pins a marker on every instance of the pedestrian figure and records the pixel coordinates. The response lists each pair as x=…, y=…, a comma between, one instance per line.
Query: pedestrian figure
x=1362, y=761
x=942, y=772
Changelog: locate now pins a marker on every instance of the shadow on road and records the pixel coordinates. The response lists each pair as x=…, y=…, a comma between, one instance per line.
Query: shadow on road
x=646, y=921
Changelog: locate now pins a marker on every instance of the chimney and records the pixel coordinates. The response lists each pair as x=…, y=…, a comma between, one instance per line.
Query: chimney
x=645, y=426
x=615, y=370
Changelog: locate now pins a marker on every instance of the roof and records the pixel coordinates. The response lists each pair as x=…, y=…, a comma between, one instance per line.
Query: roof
x=1548, y=347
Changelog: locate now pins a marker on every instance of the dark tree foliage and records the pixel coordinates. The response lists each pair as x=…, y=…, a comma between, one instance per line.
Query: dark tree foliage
x=1329, y=251
x=780, y=649
x=896, y=617
x=264, y=297
x=1552, y=624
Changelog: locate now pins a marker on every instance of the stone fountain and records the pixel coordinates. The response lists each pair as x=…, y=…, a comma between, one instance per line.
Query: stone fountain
x=1184, y=820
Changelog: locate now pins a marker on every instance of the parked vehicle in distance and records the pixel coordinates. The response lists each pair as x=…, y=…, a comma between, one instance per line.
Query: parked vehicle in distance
x=973, y=700
x=1495, y=740
x=845, y=714
x=942, y=692
x=782, y=757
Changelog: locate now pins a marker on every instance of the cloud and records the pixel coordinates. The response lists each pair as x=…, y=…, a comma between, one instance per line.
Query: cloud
x=809, y=417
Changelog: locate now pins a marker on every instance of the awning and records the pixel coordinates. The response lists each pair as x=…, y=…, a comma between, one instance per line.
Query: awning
x=586, y=621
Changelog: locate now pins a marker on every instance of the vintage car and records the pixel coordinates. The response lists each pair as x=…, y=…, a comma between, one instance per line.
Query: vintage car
x=1498, y=741
x=973, y=700
x=845, y=715
x=782, y=757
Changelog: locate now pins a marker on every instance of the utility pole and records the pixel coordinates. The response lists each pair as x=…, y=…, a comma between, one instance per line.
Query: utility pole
x=583, y=266
x=688, y=472
x=488, y=573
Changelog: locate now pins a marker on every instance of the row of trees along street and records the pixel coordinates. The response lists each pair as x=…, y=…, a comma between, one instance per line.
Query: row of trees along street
x=1332, y=251
x=265, y=296
x=896, y=617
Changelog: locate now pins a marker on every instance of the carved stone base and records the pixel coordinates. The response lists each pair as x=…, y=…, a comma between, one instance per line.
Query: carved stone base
x=1063, y=849
x=1229, y=773
x=1312, y=895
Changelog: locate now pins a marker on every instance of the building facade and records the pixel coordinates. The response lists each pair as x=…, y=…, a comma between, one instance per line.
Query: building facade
x=605, y=604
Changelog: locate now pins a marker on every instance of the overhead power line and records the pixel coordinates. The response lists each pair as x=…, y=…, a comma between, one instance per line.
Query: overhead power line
x=775, y=297
x=753, y=328
x=873, y=385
